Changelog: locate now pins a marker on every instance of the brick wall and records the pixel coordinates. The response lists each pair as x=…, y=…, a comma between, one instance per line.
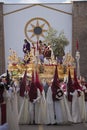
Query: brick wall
x=79, y=31
x=2, y=54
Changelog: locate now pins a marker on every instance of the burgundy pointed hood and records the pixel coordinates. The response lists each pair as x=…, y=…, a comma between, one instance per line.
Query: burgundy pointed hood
x=70, y=88
x=57, y=93
x=55, y=83
x=23, y=84
x=33, y=88
x=76, y=84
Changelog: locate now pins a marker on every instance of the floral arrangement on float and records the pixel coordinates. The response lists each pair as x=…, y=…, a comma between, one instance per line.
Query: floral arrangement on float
x=17, y=66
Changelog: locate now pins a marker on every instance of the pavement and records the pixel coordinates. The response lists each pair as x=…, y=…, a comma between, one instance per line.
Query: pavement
x=81, y=126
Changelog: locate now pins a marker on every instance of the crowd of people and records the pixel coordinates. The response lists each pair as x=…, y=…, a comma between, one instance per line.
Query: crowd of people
x=31, y=100
x=35, y=101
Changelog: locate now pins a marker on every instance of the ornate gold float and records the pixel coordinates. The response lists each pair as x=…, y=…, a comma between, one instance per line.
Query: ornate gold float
x=46, y=71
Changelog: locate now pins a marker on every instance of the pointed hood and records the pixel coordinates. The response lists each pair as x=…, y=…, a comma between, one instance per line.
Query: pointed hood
x=23, y=84
x=69, y=87
x=69, y=84
x=57, y=93
x=38, y=84
x=56, y=78
x=76, y=84
x=33, y=88
x=55, y=83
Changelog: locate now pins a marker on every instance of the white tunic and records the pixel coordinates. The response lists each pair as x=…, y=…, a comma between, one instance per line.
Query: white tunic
x=50, y=107
x=12, y=115
x=76, y=115
x=40, y=108
x=24, y=115
x=59, y=109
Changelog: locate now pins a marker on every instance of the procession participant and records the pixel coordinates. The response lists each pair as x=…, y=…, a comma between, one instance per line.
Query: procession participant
x=37, y=101
x=16, y=83
x=32, y=97
x=61, y=109
x=84, y=99
x=11, y=108
x=57, y=97
x=24, y=115
x=15, y=106
x=4, y=82
x=40, y=103
x=22, y=84
x=50, y=106
x=77, y=102
x=67, y=116
x=70, y=90
x=63, y=86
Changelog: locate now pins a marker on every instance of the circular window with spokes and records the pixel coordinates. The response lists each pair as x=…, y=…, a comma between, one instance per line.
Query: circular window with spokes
x=36, y=29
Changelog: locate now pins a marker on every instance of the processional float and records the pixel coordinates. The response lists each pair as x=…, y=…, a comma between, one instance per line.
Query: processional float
x=17, y=67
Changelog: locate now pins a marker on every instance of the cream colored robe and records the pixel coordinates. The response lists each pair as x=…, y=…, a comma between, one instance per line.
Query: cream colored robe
x=50, y=108
x=40, y=108
x=78, y=107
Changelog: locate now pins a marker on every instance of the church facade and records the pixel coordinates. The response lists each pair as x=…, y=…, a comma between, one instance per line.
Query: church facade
x=21, y=21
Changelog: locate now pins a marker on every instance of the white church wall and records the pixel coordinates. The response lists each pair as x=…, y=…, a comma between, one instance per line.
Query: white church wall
x=17, y=15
